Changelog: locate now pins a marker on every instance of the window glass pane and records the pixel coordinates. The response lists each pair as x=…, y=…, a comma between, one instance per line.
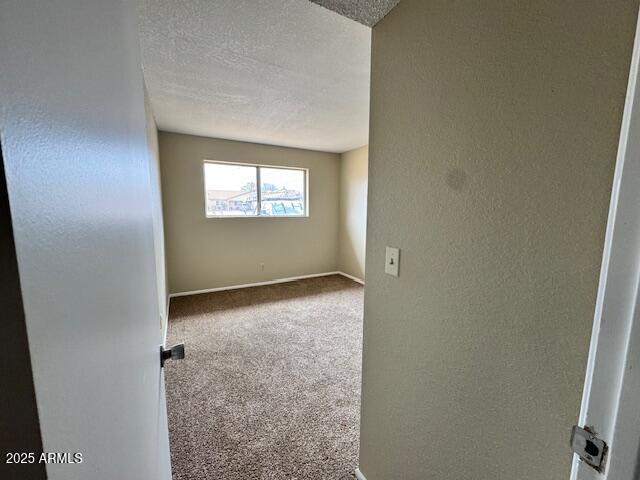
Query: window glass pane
x=282, y=192
x=230, y=190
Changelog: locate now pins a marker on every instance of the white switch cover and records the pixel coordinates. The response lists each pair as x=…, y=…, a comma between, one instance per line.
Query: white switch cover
x=392, y=261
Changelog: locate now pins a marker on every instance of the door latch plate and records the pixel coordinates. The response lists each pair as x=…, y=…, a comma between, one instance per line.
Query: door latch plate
x=588, y=447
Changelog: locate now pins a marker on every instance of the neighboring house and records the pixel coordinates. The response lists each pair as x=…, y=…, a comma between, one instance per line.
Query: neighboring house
x=280, y=201
x=230, y=200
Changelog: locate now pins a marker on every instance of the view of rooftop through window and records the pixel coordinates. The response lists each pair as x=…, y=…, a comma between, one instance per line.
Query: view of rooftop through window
x=231, y=190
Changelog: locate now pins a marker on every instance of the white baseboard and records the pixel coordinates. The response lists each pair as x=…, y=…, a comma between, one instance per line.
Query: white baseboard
x=360, y=475
x=351, y=277
x=257, y=284
x=249, y=285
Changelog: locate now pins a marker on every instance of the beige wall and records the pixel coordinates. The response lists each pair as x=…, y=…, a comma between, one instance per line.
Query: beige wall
x=494, y=129
x=207, y=253
x=156, y=206
x=353, y=211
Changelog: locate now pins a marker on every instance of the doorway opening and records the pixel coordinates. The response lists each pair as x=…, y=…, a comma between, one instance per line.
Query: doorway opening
x=263, y=166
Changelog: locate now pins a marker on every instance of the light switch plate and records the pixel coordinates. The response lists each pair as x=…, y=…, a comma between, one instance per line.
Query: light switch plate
x=392, y=261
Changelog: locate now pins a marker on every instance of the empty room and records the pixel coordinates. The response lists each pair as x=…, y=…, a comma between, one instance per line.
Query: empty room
x=263, y=172
x=319, y=240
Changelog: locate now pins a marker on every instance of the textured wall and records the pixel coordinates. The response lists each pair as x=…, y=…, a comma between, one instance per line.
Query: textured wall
x=158, y=222
x=353, y=211
x=494, y=129
x=216, y=252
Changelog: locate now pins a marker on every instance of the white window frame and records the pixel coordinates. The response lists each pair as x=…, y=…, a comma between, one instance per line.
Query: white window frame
x=257, y=166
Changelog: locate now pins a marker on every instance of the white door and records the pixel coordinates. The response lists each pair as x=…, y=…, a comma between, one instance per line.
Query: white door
x=72, y=120
x=611, y=400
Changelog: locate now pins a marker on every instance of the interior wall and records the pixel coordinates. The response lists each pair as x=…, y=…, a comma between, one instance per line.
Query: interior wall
x=204, y=253
x=494, y=131
x=354, y=167
x=153, y=150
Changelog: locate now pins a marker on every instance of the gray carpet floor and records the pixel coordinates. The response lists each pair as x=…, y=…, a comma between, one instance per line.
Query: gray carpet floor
x=270, y=386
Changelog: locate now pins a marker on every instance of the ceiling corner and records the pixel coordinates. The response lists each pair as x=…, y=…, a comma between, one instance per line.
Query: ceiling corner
x=366, y=12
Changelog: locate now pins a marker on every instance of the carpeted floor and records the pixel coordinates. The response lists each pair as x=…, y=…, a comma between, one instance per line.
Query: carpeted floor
x=270, y=386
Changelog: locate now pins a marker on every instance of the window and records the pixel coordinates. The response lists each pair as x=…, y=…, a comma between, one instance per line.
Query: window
x=231, y=190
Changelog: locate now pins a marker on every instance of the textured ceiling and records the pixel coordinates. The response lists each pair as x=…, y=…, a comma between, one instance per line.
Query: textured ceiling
x=282, y=72
x=367, y=12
